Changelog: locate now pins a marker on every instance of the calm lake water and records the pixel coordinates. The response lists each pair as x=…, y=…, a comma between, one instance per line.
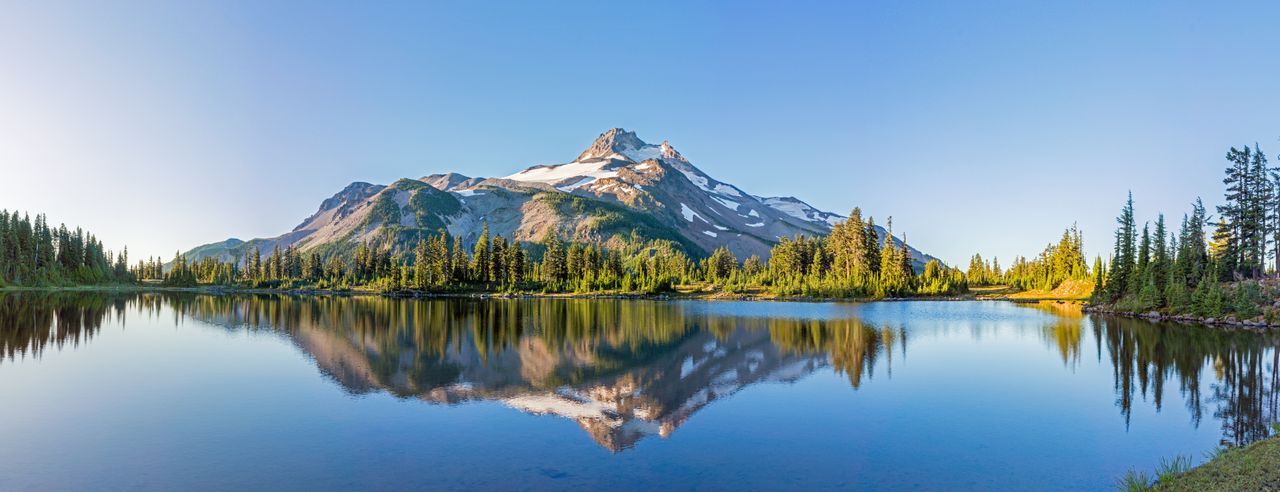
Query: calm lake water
x=193, y=392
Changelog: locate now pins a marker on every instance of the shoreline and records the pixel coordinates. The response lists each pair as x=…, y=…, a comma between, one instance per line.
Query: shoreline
x=1156, y=316
x=1252, y=467
x=417, y=294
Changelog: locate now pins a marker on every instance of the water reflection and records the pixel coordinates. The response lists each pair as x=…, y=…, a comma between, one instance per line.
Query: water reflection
x=625, y=370
x=32, y=323
x=1244, y=388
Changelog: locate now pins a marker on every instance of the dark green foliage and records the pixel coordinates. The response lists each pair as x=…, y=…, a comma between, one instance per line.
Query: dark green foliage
x=1247, y=213
x=32, y=253
x=1246, y=298
x=385, y=211
x=1185, y=272
x=614, y=221
x=835, y=266
x=721, y=264
x=407, y=184
x=1123, y=261
x=1208, y=298
x=641, y=256
x=850, y=262
x=430, y=206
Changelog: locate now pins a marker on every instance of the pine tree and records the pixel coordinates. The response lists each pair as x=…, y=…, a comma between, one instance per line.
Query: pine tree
x=480, y=257
x=1144, y=251
x=1159, y=266
x=890, y=281
x=872, y=248
x=459, y=262
x=1263, y=197
x=1123, y=260
x=421, y=265
x=1099, y=274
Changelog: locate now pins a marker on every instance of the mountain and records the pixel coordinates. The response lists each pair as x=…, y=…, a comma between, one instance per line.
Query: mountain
x=656, y=366
x=616, y=407
x=619, y=187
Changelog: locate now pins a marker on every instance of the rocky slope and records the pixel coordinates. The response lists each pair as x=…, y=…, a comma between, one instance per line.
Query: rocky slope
x=620, y=187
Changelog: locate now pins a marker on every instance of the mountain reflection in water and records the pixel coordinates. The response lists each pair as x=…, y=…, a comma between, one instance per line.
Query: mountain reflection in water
x=624, y=370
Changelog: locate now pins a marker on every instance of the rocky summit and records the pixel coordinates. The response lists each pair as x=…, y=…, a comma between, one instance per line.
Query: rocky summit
x=619, y=189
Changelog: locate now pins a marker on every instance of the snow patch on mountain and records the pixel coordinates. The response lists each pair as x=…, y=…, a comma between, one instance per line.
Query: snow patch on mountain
x=644, y=153
x=729, y=204
x=699, y=181
x=554, y=174
x=725, y=189
x=689, y=214
x=581, y=182
x=800, y=210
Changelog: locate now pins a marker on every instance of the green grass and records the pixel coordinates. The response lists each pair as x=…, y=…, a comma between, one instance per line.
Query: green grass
x=1254, y=467
x=1170, y=469
x=1214, y=453
x=1134, y=481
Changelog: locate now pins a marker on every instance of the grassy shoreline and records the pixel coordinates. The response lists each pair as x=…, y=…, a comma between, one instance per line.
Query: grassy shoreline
x=1253, y=467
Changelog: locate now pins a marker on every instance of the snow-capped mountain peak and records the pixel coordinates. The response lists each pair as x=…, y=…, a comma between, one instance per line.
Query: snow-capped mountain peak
x=622, y=168
x=612, y=141
x=669, y=152
x=612, y=150
x=624, y=186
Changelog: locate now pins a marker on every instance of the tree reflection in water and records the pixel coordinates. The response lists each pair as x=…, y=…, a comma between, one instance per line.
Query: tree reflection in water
x=1245, y=390
x=625, y=370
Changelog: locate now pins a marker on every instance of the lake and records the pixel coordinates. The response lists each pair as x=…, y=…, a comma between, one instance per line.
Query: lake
x=199, y=392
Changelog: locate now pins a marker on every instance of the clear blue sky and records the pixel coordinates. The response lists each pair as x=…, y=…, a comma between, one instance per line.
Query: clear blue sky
x=978, y=128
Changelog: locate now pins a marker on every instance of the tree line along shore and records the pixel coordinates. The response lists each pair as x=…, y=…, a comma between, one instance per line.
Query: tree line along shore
x=1214, y=270
x=852, y=262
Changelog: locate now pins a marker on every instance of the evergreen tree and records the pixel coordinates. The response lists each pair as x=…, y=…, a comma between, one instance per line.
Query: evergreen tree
x=872, y=248
x=1144, y=251
x=421, y=265
x=1157, y=270
x=1123, y=260
x=480, y=256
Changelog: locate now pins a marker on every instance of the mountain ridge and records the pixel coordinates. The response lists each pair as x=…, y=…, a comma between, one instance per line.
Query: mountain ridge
x=619, y=188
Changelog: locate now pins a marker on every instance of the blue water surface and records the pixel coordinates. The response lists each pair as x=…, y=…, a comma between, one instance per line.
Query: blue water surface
x=201, y=392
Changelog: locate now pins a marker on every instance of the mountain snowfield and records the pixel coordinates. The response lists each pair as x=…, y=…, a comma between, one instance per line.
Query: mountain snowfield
x=620, y=187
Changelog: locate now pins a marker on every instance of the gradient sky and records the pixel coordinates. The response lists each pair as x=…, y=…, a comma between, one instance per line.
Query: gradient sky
x=163, y=125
